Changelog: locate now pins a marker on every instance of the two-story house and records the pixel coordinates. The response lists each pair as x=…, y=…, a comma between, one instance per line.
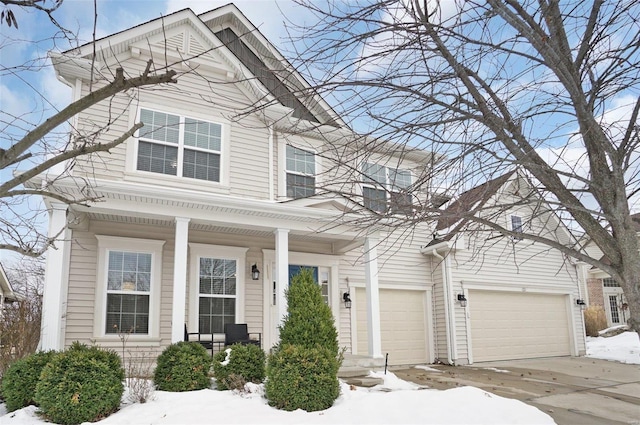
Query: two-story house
x=203, y=215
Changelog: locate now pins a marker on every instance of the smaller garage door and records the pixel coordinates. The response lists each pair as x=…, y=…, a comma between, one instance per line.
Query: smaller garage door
x=515, y=325
x=402, y=325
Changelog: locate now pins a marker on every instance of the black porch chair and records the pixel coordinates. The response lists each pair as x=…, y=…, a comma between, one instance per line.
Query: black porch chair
x=206, y=340
x=238, y=333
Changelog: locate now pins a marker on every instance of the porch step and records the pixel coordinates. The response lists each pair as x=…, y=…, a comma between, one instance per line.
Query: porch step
x=364, y=362
x=355, y=370
x=364, y=381
x=352, y=371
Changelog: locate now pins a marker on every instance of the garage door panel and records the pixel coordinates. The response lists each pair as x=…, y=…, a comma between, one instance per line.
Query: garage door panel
x=507, y=325
x=402, y=325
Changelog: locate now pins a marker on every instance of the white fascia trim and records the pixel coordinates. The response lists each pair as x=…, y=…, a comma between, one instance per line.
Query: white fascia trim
x=136, y=31
x=457, y=245
x=190, y=196
x=529, y=289
x=399, y=287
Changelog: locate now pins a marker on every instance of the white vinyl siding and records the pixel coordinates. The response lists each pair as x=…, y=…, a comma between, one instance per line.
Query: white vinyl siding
x=241, y=144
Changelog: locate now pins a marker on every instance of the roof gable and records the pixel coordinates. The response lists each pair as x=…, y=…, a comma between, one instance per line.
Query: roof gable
x=221, y=38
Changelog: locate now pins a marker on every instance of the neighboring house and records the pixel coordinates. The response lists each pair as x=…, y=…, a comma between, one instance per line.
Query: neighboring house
x=202, y=217
x=602, y=290
x=6, y=291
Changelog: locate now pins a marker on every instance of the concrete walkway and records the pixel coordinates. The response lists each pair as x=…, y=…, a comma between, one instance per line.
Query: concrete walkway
x=572, y=390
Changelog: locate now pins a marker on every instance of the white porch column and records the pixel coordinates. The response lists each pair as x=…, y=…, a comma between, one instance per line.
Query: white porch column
x=54, y=287
x=179, y=279
x=373, y=296
x=282, y=274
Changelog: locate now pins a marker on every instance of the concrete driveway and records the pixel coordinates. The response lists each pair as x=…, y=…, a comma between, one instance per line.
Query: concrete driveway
x=572, y=390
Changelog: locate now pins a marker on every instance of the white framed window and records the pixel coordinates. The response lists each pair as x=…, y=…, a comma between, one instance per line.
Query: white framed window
x=216, y=287
x=176, y=145
x=301, y=172
x=128, y=287
x=516, y=226
x=386, y=187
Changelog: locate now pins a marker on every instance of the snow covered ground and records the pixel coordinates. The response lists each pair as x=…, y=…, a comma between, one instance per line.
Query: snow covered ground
x=393, y=402
x=623, y=348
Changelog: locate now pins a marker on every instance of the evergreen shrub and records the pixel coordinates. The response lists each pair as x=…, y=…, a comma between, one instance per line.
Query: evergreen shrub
x=20, y=380
x=183, y=366
x=245, y=364
x=302, y=371
x=82, y=384
x=304, y=378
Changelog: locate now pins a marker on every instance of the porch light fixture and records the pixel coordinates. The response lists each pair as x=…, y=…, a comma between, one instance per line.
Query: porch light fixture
x=462, y=300
x=581, y=303
x=255, y=273
x=347, y=300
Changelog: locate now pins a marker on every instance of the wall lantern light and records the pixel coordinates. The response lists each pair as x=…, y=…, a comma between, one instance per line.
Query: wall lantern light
x=347, y=300
x=463, y=300
x=255, y=273
x=581, y=303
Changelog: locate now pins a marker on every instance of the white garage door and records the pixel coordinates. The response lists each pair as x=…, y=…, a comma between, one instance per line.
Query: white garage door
x=514, y=325
x=402, y=325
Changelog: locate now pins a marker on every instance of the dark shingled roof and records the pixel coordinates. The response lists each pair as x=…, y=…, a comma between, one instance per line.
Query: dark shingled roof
x=459, y=209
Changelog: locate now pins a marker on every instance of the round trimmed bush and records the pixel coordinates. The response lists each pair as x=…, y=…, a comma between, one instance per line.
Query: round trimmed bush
x=80, y=385
x=183, y=366
x=246, y=364
x=304, y=378
x=110, y=357
x=20, y=380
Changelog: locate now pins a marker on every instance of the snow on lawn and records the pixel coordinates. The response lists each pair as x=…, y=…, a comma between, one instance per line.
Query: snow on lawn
x=624, y=348
x=393, y=402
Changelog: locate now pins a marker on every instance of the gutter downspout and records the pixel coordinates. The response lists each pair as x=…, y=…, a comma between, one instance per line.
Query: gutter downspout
x=447, y=297
x=271, y=183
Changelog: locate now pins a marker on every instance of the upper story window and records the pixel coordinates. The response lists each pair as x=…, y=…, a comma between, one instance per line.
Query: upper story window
x=179, y=146
x=609, y=282
x=516, y=225
x=386, y=187
x=301, y=171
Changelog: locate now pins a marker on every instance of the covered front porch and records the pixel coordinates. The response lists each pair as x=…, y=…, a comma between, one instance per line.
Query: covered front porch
x=270, y=237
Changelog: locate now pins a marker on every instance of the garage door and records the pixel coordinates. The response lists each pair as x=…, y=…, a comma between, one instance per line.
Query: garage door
x=508, y=325
x=402, y=325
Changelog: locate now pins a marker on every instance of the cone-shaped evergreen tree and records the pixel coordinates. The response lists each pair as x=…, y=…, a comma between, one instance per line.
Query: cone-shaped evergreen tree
x=309, y=321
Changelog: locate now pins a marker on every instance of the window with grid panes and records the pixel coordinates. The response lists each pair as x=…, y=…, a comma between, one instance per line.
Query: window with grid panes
x=301, y=170
x=516, y=226
x=179, y=146
x=385, y=187
x=128, y=291
x=217, y=294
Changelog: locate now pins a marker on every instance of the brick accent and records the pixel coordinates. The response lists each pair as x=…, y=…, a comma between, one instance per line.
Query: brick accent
x=596, y=296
